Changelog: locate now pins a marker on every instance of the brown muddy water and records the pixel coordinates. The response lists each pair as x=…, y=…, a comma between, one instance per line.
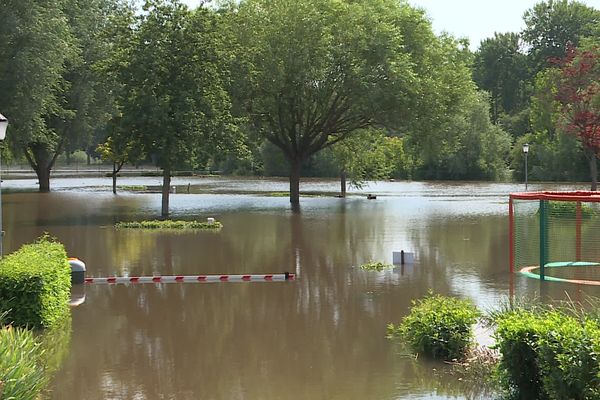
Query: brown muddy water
x=320, y=337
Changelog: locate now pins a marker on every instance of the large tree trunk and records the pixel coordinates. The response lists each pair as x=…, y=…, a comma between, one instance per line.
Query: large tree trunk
x=593, y=171
x=165, y=192
x=343, y=182
x=295, y=166
x=41, y=158
x=43, y=175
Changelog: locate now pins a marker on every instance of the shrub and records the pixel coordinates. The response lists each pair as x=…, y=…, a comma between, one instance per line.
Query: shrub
x=438, y=326
x=567, y=209
x=568, y=357
x=35, y=284
x=548, y=354
x=169, y=224
x=517, y=336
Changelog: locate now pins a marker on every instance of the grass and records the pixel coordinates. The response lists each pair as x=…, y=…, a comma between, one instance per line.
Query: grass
x=169, y=225
x=29, y=359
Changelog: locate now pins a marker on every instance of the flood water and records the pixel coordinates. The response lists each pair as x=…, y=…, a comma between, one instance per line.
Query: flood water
x=319, y=337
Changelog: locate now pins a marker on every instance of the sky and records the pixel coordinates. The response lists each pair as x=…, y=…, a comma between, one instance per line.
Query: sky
x=473, y=19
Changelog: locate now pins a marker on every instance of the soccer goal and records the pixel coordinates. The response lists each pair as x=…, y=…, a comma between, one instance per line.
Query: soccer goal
x=555, y=230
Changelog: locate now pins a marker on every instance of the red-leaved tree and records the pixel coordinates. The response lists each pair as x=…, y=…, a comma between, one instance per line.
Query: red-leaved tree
x=578, y=93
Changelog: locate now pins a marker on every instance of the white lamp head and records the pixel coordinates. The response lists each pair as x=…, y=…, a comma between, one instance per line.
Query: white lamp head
x=526, y=148
x=3, y=126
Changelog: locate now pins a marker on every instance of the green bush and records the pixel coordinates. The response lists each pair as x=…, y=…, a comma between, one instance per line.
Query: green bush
x=35, y=284
x=517, y=334
x=169, y=224
x=568, y=358
x=568, y=209
x=548, y=354
x=438, y=326
x=22, y=374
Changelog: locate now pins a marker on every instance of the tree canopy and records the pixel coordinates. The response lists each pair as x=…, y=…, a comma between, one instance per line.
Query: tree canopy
x=173, y=74
x=317, y=71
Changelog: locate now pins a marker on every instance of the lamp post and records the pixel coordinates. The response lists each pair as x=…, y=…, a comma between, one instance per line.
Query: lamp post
x=3, y=126
x=526, y=151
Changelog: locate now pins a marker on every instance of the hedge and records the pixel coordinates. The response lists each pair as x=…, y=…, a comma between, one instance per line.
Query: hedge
x=549, y=355
x=35, y=284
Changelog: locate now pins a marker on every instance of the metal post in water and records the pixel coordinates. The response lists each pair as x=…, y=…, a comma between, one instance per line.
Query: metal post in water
x=543, y=237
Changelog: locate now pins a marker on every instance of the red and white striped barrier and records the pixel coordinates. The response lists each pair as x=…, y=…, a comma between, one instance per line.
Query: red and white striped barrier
x=286, y=276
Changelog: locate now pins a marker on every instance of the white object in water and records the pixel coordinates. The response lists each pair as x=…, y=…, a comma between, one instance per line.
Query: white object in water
x=77, y=270
x=403, y=257
x=210, y=220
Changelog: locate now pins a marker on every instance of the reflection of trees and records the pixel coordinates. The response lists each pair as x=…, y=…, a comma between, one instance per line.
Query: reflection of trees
x=321, y=337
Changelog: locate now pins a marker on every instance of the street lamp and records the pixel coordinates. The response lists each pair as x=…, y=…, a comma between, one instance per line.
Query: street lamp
x=3, y=126
x=526, y=151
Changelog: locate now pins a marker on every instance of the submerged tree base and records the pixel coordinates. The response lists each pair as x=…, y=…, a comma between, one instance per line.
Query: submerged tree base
x=169, y=224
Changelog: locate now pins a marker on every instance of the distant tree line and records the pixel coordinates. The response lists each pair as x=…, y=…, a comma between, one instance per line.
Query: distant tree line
x=358, y=90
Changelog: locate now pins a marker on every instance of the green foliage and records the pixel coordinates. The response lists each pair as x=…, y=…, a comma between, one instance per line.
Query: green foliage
x=551, y=24
x=35, y=284
x=376, y=266
x=314, y=72
x=28, y=360
x=464, y=144
x=173, y=74
x=438, y=326
x=169, y=224
x=369, y=155
x=548, y=354
x=22, y=374
x=516, y=336
x=500, y=68
x=37, y=46
x=568, y=209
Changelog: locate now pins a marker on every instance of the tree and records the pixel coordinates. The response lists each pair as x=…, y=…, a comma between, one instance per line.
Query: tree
x=500, y=68
x=36, y=44
x=317, y=71
x=173, y=74
x=366, y=155
x=551, y=24
x=55, y=97
x=119, y=148
x=90, y=94
x=578, y=94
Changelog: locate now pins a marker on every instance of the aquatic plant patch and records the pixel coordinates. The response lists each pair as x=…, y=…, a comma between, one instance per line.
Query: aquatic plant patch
x=438, y=326
x=376, y=266
x=35, y=284
x=133, y=188
x=170, y=224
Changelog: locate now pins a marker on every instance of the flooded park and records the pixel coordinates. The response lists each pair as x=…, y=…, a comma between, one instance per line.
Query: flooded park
x=321, y=336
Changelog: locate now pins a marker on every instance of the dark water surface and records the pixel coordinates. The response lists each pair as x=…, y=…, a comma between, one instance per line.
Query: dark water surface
x=320, y=337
